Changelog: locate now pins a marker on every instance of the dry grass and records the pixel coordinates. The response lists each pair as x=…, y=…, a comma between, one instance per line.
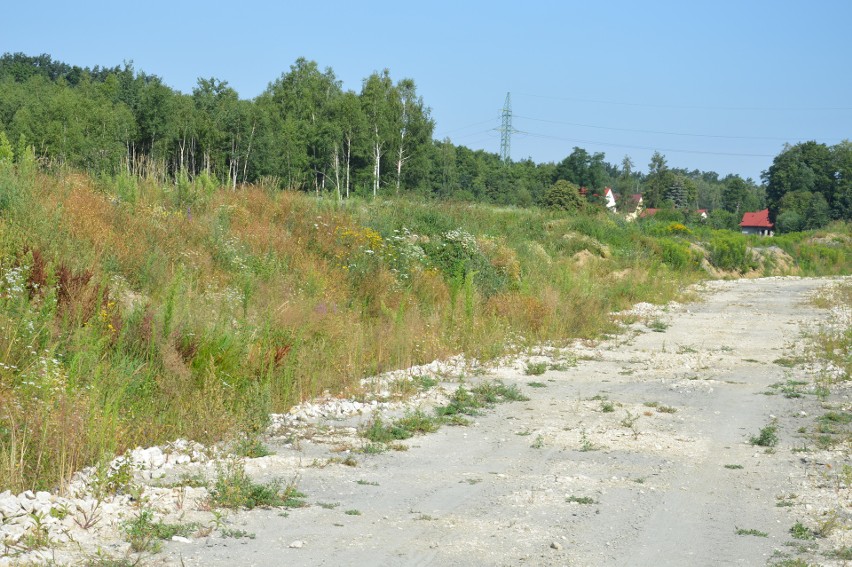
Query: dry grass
x=145, y=318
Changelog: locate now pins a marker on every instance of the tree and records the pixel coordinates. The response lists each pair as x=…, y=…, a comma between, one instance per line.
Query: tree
x=351, y=126
x=659, y=178
x=808, y=167
x=6, y=153
x=378, y=100
x=563, y=196
x=583, y=169
x=734, y=194
x=413, y=123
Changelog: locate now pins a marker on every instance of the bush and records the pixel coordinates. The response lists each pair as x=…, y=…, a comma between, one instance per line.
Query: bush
x=563, y=196
x=730, y=252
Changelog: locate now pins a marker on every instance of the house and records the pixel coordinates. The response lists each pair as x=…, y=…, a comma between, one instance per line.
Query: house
x=648, y=213
x=757, y=223
x=702, y=213
x=608, y=196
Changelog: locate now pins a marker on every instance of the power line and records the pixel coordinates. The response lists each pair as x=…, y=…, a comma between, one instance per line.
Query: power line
x=657, y=131
x=489, y=121
x=670, y=150
x=688, y=107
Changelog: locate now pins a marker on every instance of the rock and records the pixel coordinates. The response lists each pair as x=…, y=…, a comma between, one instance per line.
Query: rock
x=556, y=545
x=9, y=505
x=298, y=544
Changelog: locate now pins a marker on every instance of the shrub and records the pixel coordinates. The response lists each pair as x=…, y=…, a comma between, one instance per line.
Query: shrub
x=563, y=196
x=730, y=252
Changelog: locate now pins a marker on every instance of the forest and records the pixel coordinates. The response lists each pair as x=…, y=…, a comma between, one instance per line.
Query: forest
x=305, y=132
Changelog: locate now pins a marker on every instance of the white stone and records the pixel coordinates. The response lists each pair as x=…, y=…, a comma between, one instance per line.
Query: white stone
x=298, y=544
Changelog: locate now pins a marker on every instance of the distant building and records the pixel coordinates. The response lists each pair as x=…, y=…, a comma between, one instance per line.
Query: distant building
x=608, y=196
x=757, y=223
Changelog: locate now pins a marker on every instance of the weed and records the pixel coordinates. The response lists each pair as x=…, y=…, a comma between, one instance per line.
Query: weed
x=379, y=432
x=37, y=535
x=374, y=448
x=536, y=384
x=733, y=467
x=328, y=505
x=842, y=553
x=751, y=532
x=629, y=420
x=564, y=364
x=236, y=534
x=251, y=447
x=792, y=562
x=353, y=512
x=581, y=500
x=535, y=368
x=658, y=326
x=140, y=532
x=60, y=512
x=800, y=531
x=768, y=437
x=607, y=406
x=366, y=482
x=586, y=443
x=425, y=382
x=828, y=524
x=538, y=443
x=234, y=489
x=88, y=517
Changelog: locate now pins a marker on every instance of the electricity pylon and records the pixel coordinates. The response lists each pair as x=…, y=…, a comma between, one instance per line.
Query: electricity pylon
x=506, y=131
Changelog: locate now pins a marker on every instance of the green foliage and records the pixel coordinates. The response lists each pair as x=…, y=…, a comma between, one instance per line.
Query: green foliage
x=6, y=153
x=234, y=489
x=535, y=368
x=768, y=437
x=144, y=534
x=563, y=196
x=730, y=252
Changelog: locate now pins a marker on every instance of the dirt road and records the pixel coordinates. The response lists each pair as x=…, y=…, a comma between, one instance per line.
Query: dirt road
x=631, y=451
x=638, y=455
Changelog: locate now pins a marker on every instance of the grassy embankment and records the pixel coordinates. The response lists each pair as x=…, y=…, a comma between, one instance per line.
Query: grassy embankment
x=134, y=313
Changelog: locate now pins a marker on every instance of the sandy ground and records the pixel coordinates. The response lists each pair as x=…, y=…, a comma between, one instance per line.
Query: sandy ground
x=588, y=471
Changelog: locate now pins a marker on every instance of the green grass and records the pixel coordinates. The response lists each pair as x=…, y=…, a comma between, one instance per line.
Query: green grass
x=751, y=532
x=535, y=368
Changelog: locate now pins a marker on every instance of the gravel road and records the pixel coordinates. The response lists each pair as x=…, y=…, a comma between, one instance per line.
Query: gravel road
x=634, y=450
x=619, y=460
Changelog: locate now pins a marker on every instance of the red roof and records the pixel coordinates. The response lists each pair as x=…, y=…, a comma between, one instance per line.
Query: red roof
x=760, y=219
x=648, y=213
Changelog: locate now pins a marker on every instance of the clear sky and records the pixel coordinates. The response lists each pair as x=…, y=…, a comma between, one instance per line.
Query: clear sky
x=715, y=85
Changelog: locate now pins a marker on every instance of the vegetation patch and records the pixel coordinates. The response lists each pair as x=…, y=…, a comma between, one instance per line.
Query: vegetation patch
x=768, y=437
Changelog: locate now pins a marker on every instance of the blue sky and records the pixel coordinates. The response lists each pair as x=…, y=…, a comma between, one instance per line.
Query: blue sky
x=713, y=85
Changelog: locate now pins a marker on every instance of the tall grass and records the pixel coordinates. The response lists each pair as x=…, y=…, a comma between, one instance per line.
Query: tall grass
x=133, y=312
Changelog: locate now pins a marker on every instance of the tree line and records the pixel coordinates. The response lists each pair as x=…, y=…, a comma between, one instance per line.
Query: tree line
x=305, y=132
